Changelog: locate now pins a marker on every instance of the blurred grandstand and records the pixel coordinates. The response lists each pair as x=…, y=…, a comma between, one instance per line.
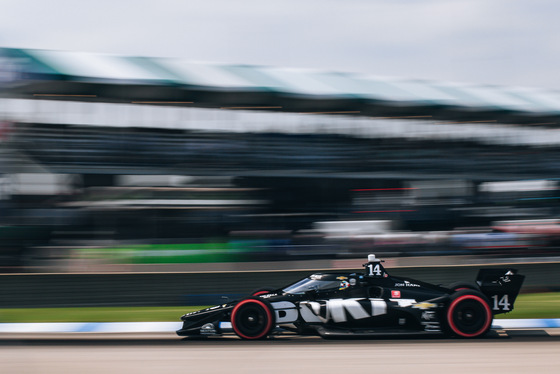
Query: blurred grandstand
x=144, y=160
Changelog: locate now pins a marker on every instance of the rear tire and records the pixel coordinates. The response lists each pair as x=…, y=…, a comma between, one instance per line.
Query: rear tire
x=458, y=286
x=252, y=319
x=468, y=314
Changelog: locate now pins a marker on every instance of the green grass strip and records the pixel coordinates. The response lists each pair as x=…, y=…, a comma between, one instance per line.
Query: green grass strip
x=537, y=305
x=542, y=305
x=96, y=314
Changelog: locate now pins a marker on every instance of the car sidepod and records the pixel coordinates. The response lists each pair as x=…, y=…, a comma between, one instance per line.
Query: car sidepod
x=374, y=314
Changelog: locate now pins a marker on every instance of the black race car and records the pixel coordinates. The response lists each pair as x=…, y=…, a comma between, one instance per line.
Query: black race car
x=361, y=304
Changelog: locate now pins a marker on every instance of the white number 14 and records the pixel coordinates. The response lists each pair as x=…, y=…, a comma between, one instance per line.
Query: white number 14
x=375, y=270
x=503, y=304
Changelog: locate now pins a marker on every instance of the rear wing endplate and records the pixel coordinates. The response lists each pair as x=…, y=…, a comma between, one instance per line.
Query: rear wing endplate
x=501, y=286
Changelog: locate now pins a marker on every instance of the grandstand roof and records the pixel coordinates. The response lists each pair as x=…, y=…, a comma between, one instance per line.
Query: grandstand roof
x=44, y=74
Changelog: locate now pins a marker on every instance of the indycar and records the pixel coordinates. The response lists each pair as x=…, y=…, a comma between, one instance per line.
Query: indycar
x=368, y=303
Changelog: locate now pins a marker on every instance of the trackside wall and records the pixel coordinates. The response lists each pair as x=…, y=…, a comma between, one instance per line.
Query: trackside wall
x=166, y=289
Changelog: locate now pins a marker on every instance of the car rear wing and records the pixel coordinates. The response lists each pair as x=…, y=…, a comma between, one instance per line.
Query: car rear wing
x=501, y=286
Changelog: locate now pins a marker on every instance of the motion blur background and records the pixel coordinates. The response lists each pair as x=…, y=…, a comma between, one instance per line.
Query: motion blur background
x=109, y=161
x=115, y=161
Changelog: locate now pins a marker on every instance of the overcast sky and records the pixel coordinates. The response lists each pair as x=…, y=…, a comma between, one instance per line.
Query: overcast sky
x=506, y=42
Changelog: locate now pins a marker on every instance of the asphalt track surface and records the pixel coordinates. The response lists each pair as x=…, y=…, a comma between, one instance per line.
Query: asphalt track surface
x=516, y=351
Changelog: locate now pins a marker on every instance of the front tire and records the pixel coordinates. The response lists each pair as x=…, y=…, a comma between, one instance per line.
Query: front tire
x=252, y=319
x=468, y=314
x=262, y=291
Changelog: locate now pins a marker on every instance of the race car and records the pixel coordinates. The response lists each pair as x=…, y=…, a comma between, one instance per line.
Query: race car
x=368, y=303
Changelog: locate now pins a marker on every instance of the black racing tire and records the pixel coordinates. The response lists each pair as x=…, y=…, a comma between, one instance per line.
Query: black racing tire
x=261, y=291
x=458, y=286
x=252, y=319
x=468, y=314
